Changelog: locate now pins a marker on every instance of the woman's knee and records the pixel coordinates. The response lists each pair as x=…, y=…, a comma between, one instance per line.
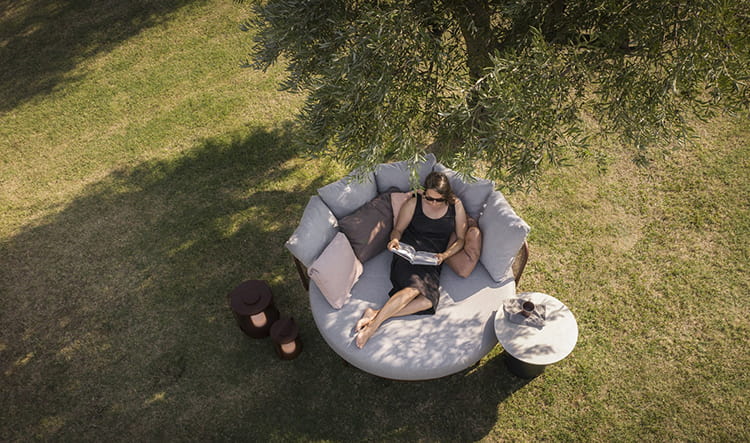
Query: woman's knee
x=423, y=302
x=473, y=233
x=405, y=295
x=409, y=292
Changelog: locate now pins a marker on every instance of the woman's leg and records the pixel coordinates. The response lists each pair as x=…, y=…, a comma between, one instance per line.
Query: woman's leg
x=404, y=302
x=419, y=304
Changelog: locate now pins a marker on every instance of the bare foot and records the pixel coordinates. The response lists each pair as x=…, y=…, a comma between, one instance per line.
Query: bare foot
x=367, y=317
x=364, y=335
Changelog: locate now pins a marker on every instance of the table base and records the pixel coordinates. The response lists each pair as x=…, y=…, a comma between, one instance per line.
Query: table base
x=522, y=369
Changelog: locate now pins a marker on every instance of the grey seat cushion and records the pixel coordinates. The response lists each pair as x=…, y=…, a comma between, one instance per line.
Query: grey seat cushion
x=416, y=347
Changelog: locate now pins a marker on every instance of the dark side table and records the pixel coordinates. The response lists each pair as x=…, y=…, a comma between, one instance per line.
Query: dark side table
x=253, y=308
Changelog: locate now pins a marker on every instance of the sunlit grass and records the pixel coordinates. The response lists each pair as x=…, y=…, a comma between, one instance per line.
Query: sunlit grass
x=154, y=96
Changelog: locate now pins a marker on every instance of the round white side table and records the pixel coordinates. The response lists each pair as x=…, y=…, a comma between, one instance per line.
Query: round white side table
x=530, y=349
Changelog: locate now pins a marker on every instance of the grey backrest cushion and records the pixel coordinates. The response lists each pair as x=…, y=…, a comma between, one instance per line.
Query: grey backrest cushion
x=503, y=234
x=348, y=194
x=396, y=175
x=316, y=229
x=472, y=193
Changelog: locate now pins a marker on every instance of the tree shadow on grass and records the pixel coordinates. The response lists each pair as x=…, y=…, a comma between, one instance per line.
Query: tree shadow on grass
x=110, y=298
x=349, y=405
x=116, y=324
x=42, y=41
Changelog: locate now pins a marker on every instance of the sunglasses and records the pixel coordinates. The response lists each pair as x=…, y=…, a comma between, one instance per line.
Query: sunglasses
x=430, y=199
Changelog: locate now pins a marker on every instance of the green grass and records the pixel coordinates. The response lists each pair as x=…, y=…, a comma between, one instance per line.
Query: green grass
x=143, y=175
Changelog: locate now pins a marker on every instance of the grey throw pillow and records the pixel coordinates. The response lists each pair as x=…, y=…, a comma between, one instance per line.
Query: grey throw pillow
x=316, y=229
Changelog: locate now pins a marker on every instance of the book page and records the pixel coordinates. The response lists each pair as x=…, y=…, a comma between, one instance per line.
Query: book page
x=415, y=257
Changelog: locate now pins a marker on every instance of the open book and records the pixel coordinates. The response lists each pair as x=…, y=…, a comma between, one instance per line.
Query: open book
x=416, y=257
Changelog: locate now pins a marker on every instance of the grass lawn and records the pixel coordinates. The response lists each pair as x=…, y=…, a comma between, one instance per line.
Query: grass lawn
x=143, y=175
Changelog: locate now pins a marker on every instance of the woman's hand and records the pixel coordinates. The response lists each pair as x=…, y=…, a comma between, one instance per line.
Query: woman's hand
x=393, y=244
x=440, y=257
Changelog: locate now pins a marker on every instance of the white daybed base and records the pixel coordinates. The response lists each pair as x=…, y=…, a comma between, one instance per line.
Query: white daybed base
x=417, y=347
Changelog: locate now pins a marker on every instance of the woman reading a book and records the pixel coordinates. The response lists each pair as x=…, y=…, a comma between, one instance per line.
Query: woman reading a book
x=426, y=222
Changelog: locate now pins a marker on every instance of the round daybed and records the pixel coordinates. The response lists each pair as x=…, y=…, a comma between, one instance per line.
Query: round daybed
x=415, y=347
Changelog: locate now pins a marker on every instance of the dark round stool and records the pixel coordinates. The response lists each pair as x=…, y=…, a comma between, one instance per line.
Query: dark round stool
x=252, y=304
x=286, y=340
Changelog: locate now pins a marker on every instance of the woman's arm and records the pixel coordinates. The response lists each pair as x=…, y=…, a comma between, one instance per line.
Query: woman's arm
x=402, y=222
x=457, y=245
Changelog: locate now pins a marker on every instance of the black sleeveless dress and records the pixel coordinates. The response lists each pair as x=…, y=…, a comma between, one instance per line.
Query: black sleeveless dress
x=425, y=234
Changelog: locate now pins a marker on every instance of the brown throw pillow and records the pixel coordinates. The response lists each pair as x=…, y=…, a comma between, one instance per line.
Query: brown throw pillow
x=369, y=227
x=464, y=261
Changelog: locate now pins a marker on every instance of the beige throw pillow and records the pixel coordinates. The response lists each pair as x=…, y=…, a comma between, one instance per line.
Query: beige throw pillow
x=336, y=271
x=397, y=201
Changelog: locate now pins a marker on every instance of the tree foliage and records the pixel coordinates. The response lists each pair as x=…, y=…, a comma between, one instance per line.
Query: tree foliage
x=505, y=83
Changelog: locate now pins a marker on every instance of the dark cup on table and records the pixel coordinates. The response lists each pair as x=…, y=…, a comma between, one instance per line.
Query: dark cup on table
x=528, y=308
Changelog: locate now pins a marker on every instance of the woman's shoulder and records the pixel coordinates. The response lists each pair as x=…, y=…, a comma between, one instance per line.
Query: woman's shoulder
x=412, y=199
x=411, y=202
x=458, y=206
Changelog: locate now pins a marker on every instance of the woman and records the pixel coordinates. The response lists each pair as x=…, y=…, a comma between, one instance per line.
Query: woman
x=425, y=222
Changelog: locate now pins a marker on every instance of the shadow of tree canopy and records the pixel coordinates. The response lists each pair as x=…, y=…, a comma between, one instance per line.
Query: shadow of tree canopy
x=116, y=324
x=41, y=41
